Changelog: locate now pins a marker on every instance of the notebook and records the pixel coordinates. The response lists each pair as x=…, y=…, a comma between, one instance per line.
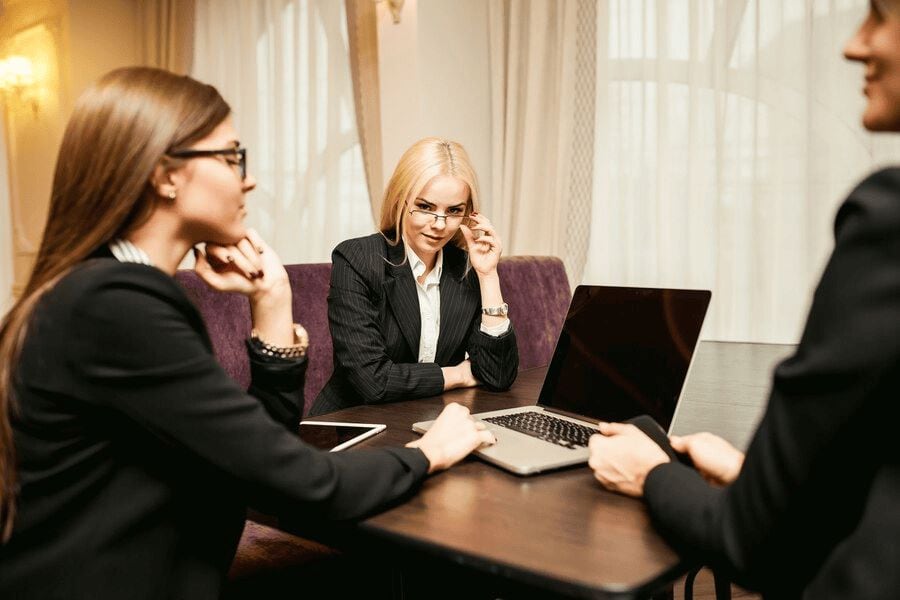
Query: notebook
x=622, y=352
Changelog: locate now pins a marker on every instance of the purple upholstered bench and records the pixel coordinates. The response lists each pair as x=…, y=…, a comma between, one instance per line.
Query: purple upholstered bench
x=537, y=291
x=535, y=287
x=227, y=318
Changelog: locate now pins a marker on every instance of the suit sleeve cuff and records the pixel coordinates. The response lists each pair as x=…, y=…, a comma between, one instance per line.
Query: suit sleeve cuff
x=496, y=330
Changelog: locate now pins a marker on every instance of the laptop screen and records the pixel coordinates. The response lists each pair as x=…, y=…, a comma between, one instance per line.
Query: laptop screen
x=624, y=352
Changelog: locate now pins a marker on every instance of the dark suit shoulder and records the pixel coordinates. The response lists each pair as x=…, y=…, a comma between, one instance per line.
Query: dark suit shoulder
x=97, y=274
x=365, y=254
x=873, y=205
x=362, y=246
x=371, y=258
x=106, y=288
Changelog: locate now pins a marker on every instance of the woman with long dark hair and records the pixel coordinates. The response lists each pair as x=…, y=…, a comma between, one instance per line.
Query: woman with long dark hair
x=127, y=455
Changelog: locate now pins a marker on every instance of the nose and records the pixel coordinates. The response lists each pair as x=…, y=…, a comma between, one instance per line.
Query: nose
x=857, y=47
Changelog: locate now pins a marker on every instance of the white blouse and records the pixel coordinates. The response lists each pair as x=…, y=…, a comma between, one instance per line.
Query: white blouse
x=430, y=305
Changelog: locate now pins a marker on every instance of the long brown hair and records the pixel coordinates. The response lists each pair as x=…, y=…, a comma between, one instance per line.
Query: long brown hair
x=119, y=132
x=427, y=158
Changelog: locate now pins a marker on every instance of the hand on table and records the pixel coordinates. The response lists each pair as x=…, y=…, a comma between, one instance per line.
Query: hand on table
x=452, y=437
x=621, y=456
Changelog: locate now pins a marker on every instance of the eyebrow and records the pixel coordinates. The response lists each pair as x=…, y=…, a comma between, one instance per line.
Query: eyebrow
x=427, y=201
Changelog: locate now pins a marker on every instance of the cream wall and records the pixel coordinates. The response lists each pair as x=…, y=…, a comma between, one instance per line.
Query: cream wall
x=435, y=80
x=72, y=42
x=103, y=35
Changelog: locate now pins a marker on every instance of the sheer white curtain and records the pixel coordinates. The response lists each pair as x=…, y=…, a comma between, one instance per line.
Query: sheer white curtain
x=6, y=230
x=542, y=111
x=283, y=67
x=728, y=131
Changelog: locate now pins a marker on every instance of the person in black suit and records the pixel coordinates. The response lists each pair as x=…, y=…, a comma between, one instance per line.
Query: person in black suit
x=127, y=455
x=811, y=510
x=408, y=303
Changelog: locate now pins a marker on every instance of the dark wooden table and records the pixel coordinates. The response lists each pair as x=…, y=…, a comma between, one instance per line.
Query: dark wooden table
x=559, y=532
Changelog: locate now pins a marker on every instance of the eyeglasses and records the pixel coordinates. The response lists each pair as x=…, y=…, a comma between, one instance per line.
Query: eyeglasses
x=426, y=216
x=240, y=152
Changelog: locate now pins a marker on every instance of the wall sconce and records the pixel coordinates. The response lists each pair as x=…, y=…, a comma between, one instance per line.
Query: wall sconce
x=396, y=7
x=17, y=80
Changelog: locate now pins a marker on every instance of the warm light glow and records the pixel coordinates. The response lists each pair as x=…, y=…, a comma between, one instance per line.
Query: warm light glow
x=16, y=74
x=396, y=7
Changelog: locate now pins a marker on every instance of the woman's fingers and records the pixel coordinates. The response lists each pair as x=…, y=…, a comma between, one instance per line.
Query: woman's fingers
x=483, y=233
x=248, y=250
x=230, y=257
x=208, y=273
x=469, y=236
x=258, y=243
x=679, y=443
x=488, y=243
x=613, y=428
x=486, y=437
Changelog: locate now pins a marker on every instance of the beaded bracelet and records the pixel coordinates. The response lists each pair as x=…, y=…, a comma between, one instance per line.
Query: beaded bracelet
x=295, y=351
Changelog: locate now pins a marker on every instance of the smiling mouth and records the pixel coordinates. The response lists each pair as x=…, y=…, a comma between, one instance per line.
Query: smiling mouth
x=431, y=237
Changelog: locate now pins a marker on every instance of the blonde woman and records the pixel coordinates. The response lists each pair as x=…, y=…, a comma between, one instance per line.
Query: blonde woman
x=409, y=303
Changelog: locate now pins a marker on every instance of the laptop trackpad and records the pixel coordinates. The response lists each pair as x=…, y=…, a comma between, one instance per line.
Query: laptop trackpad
x=531, y=454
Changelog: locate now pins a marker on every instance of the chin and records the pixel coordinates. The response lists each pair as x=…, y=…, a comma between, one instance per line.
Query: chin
x=229, y=238
x=876, y=119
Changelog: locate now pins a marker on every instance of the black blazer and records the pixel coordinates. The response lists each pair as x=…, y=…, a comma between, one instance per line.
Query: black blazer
x=815, y=511
x=373, y=312
x=138, y=455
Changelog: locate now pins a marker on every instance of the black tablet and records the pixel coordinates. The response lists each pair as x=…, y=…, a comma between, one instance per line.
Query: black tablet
x=336, y=436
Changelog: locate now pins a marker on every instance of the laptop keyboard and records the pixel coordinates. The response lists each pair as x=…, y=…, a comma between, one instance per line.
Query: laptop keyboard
x=543, y=426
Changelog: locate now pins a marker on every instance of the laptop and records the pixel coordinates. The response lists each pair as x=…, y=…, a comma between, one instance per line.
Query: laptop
x=622, y=352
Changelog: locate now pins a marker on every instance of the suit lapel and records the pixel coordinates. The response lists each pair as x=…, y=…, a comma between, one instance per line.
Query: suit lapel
x=458, y=304
x=400, y=290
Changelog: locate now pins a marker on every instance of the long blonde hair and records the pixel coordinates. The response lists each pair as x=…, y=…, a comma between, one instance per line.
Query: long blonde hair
x=120, y=131
x=427, y=158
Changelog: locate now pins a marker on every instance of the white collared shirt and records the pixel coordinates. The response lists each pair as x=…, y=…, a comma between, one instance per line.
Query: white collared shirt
x=125, y=251
x=429, y=302
x=429, y=293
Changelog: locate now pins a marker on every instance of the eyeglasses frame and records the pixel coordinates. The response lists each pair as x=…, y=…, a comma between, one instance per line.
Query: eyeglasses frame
x=240, y=151
x=437, y=216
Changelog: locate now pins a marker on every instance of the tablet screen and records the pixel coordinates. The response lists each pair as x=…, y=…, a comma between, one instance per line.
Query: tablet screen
x=336, y=436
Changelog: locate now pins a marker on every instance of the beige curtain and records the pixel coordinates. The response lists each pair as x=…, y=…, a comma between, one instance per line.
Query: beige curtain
x=167, y=28
x=362, y=31
x=727, y=135
x=285, y=71
x=542, y=95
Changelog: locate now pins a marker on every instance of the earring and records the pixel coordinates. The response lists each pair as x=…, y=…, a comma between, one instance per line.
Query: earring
x=172, y=195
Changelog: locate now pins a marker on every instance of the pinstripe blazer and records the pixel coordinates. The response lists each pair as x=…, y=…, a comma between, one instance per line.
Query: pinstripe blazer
x=373, y=313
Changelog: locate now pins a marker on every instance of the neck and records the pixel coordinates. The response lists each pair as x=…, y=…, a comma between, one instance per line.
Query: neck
x=430, y=260
x=161, y=243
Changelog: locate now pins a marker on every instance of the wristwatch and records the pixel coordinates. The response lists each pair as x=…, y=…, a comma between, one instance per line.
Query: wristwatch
x=496, y=311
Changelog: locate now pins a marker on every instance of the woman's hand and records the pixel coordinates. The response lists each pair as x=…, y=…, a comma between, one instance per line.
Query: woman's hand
x=452, y=437
x=718, y=461
x=253, y=269
x=622, y=456
x=459, y=376
x=483, y=244
x=249, y=267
